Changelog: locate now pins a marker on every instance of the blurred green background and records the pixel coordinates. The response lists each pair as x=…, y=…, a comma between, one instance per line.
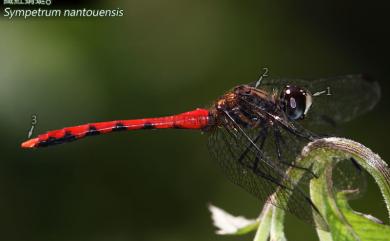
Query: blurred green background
x=162, y=57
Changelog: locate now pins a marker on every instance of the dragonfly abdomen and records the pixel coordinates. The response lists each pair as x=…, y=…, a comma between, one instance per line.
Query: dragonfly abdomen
x=197, y=119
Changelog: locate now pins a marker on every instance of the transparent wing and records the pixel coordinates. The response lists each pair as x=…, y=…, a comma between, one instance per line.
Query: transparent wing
x=339, y=99
x=348, y=176
x=251, y=158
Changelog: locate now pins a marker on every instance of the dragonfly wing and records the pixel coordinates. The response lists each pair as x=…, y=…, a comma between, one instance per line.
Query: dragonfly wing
x=348, y=176
x=246, y=164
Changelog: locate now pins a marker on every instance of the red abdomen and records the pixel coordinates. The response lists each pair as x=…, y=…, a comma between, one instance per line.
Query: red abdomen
x=196, y=119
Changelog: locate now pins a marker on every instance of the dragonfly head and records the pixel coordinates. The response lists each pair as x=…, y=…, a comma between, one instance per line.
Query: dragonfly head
x=295, y=102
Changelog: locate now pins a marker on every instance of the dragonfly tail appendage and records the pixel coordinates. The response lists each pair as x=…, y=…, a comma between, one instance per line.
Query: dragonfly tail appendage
x=196, y=119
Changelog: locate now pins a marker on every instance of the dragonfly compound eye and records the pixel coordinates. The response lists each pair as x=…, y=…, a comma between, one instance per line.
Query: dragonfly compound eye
x=295, y=101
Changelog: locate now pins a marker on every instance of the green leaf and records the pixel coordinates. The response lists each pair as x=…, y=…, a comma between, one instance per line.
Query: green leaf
x=366, y=227
x=344, y=223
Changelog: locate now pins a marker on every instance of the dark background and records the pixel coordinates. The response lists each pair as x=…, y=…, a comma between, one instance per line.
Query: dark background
x=162, y=57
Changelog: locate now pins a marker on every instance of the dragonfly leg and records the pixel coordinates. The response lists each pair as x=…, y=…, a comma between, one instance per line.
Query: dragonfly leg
x=262, y=136
x=278, y=141
x=259, y=154
x=260, y=139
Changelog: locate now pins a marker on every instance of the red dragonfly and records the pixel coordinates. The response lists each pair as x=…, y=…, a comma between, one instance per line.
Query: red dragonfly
x=256, y=131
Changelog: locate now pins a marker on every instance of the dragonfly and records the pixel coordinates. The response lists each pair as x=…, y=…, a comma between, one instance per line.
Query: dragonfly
x=256, y=131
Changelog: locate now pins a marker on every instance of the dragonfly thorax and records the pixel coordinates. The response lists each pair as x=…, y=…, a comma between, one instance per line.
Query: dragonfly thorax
x=247, y=106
